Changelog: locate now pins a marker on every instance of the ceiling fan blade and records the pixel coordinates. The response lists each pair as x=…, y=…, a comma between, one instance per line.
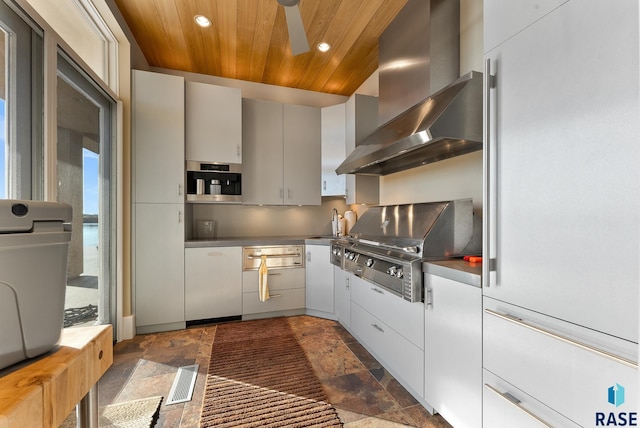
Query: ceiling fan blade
x=297, y=34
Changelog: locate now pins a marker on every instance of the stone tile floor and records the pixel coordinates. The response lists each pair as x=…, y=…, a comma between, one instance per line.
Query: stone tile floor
x=362, y=391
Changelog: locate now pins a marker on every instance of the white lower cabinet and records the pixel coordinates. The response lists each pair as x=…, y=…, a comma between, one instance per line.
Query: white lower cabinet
x=342, y=293
x=319, y=280
x=286, y=290
x=213, y=282
x=392, y=329
x=159, y=267
x=403, y=359
x=453, y=350
x=579, y=373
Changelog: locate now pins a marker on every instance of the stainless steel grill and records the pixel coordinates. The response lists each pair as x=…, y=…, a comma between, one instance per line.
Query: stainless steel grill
x=389, y=243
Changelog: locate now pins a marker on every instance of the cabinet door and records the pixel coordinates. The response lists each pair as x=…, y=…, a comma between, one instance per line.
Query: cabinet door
x=453, y=350
x=159, y=264
x=504, y=18
x=342, y=296
x=158, y=137
x=333, y=149
x=213, y=282
x=301, y=173
x=319, y=278
x=263, y=159
x=565, y=195
x=213, y=123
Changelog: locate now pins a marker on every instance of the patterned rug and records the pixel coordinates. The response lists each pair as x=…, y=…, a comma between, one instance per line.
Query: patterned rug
x=259, y=376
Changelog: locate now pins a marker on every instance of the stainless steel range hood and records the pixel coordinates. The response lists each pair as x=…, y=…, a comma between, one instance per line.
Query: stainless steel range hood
x=445, y=124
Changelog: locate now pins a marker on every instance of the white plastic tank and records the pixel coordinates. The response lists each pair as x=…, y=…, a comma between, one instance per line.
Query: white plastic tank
x=34, y=242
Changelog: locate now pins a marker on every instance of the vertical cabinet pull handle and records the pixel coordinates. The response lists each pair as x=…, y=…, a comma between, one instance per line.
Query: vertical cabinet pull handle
x=428, y=299
x=238, y=150
x=489, y=200
x=309, y=256
x=179, y=189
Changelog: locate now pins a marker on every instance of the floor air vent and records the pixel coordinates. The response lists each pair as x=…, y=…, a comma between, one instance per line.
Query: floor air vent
x=183, y=385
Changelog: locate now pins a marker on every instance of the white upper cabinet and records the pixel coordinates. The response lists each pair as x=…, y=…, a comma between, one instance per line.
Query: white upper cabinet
x=281, y=164
x=334, y=135
x=213, y=123
x=158, y=137
x=302, y=148
x=504, y=18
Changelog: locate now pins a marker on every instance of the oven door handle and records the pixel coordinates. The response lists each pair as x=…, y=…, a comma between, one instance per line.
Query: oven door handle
x=272, y=256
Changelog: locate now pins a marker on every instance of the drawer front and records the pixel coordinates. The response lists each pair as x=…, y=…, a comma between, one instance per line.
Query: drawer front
x=279, y=279
x=560, y=364
x=505, y=406
x=283, y=300
x=405, y=317
x=401, y=357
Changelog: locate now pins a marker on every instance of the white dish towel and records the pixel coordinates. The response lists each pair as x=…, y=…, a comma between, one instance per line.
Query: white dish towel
x=263, y=274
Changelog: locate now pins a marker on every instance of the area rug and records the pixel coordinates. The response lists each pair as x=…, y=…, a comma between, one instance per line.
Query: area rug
x=131, y=414
x=259, y=376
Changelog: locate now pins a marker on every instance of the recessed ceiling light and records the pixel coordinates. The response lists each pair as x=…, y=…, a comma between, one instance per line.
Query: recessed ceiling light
x=202, y=20
x=324, y=46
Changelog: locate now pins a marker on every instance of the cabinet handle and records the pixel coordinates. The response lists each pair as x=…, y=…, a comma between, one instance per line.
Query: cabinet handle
x=238, y=150
x=347, y=283
x=309, y=256
x=179, y=216
x=377, y=290
x=428, y=299
x=214, y=253
x=274, y=295
x=515, y=402
x=274, y=274
x=281, y=193
x=565, y=339
x=179, y=189
x=289, y=193
x=489, y=201
x=377, y=327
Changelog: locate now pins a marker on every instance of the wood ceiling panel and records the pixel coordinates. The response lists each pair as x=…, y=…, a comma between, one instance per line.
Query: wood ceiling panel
x=248, y=39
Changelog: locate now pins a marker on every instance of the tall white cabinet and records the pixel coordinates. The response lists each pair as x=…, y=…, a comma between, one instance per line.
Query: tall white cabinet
x=561, y=206
x=334, y=136
x=158, y=196
x=281, y=163
x=319, y=281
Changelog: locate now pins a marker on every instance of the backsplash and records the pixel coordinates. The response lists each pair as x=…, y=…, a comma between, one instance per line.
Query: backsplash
x=238, y=221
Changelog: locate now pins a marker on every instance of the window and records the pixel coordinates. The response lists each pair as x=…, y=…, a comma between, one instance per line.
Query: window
x=21, y=107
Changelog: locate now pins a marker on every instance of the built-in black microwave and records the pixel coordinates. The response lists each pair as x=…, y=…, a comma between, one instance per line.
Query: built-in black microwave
x=214, y=182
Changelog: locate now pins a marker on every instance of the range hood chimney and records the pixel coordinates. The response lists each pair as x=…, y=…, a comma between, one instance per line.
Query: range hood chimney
x=426, y=112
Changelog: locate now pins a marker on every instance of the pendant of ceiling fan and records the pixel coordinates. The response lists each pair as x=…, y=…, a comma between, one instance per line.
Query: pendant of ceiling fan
x=297, y=34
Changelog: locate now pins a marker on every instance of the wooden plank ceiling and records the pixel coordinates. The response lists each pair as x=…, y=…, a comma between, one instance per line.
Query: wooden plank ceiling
x=248, y=39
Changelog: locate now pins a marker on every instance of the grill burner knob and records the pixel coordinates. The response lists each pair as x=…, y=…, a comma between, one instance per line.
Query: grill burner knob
x=369, y=262
x=351, y=256
x=399, y=273
x=392, y=270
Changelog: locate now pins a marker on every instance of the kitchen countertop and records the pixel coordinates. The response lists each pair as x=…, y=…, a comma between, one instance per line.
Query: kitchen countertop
x=260, y=240
x=456, y=270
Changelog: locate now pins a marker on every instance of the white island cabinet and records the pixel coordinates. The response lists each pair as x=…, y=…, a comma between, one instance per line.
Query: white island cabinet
x=158, y=196
x=392, y=329
x=319, y=281
x=281, y=162
x=213, y=123
x=453, y=350
x=213, y=282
